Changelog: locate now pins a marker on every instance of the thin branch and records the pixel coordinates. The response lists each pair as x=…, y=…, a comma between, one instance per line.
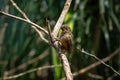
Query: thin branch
x=84, y=70
x=61, y=18
x=41, y=36
x=24, y=65
x=100, y=61
x=95, y=76
x=30, y=71
x=26, y=17
x=49, y=30
x=112, y=76
x=97, y=63
x=24, y=20
x=16, y=6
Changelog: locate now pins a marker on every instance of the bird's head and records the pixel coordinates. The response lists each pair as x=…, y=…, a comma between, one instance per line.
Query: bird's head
x=65, y=29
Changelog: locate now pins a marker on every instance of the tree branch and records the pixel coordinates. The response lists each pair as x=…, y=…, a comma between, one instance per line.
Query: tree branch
x=84, y=70
x=56, y=45
x=26, y=17
x=16, y=6
x=24, y=20
x=61, y=18
x=29, y=71
x=49, y=30
x=24, y=65
x=97, y=63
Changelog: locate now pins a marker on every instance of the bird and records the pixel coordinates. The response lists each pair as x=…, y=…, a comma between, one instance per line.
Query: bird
x=66, y=39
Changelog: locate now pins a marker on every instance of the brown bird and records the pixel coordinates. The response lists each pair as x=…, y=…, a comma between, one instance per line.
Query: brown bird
x=66, y=39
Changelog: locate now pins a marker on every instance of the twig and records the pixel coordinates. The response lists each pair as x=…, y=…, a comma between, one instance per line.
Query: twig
x=15, y=5
x=95, y=76
x=24, y=65
x=112, y=76
x=26, y=17
x=41, y=36
x=49, y=30
x=100, y=61
x=30, y=71
x=84, y=70
x=97, y=63
x=29, y=22
x=24, y=20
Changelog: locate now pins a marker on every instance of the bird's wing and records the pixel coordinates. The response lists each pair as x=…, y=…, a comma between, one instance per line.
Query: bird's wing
x=69, y=43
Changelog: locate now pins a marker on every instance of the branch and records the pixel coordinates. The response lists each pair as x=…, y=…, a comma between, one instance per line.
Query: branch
x=102, y=61
x=24, y=20
x=49, y=30
x=84, y=70
x=29, y=22
x=66, y=67
x=94, y=76
x=24, y=65
x=16, y=6
x=61, y=18
x=56, y=45
x=26, y=17
x=30, y=71
x=112, y=76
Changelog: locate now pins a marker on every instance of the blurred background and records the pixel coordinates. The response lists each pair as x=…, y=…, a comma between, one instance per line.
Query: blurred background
x=95, y=25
